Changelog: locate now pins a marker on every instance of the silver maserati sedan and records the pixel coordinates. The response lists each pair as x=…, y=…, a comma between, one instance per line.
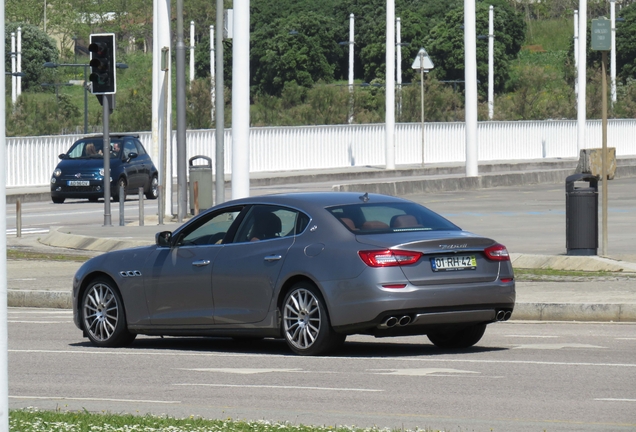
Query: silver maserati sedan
x=311, y=268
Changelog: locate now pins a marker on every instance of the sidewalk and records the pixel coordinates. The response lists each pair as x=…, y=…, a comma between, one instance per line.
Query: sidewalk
x=611, y=297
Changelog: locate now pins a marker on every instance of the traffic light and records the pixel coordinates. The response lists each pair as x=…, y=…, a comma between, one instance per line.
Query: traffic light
x=103, y=77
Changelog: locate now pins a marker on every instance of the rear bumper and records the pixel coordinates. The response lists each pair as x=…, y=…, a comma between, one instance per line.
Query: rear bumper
x=354, y=307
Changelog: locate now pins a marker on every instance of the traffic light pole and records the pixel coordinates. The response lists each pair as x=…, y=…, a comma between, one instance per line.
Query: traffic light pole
x=106, y=149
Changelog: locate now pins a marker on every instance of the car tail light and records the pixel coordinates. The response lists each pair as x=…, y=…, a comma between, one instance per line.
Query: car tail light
x=497, y=252
x=389, y=258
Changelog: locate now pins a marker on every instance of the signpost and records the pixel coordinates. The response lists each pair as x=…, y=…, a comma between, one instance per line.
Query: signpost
x=423, y=63
x=601, y=41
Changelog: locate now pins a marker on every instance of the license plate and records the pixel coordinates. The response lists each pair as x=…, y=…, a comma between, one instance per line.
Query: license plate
x=453, y=263
x=78, y=183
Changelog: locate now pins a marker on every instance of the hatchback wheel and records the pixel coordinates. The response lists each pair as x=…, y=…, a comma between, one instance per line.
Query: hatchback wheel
x=306, y=323
x=153, y=190
x=457, y=339
x=58, y=200
x=104, y=315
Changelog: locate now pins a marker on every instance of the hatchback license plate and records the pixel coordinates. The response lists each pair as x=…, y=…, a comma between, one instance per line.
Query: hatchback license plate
x=79, y=183
x=452, y=263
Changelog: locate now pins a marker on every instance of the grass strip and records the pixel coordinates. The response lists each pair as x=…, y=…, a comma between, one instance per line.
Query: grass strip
x=33, y=420
x=40, y=256
x=525, y=274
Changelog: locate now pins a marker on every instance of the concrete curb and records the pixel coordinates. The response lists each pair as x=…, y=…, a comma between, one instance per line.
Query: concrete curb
x=75, y=241
x=523, y=311
x=570, y=263
x=575, y=312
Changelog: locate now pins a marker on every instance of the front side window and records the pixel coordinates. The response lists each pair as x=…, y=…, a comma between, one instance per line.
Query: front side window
x=210, y=231
x=371, y=218
x=266, y=222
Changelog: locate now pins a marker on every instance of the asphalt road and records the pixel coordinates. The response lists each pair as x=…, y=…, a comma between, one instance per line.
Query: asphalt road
x=527, y=219
x=522, y=376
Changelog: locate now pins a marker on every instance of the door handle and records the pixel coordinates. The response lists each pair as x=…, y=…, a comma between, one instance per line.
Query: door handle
x=201, y=263
x=271, y=258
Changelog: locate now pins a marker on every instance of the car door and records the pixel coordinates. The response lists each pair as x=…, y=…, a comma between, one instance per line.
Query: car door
x=246, y=271
x=132, y=166
x=179, y=288
x=145, y=164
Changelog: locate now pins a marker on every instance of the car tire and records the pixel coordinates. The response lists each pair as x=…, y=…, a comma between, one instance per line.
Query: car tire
x=104, y=316
x=153, y=189
x=115, y=193
x=305, y=325
x=58, y=200
x=457, y=338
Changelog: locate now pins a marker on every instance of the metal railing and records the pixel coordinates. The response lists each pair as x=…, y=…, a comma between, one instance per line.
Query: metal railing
x=31, y=160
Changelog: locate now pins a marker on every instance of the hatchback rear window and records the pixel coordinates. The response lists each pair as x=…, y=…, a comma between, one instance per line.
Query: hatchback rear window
x=376, y=218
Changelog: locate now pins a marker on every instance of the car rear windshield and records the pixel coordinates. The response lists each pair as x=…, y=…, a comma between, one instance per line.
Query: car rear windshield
x=91, y=148
x=368, y=218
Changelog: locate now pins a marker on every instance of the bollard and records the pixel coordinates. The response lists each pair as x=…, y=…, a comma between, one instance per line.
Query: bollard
x=122, y=199
x=18, y=218
x=196, y=198
x=160, y=205
x=141, y=206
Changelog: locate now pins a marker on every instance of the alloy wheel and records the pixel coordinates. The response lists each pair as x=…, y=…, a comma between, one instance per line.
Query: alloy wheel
x=101, y=312
x=302, y=318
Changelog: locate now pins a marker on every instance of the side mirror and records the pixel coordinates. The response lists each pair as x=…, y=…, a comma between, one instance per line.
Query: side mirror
x=62, y=156
x=131, y=155
x=162, y=239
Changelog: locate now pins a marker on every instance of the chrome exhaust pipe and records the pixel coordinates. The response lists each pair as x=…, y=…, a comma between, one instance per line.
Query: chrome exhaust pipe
x=500, y=315
x=390, y=322
x=405, y=320
x=507, y=315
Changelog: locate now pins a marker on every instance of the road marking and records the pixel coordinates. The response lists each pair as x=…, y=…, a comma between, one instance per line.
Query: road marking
x=533, y=336
x=107, y=351
x=38, y=322
x=615, y=400
x=625, y=338
x=241, y=371
x=95, y=399
x=281, y=387
x=555, y=346
x=13, y=231
x=419, y=372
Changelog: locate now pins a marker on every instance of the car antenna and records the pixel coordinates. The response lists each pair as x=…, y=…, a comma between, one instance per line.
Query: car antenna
x=365, y=197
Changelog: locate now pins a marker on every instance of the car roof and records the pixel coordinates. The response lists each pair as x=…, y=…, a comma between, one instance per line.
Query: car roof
x=111, y=135
x=318, y=199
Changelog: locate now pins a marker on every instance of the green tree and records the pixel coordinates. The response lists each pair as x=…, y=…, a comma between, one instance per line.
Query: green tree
x=299, y=48
x=37, y=48
x=445, y=43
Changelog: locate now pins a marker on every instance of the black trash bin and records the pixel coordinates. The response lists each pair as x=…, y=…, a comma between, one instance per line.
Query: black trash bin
x=202, y=175
x=581, y=215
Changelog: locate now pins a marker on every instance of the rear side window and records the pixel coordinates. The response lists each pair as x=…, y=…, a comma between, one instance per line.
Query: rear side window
x=370, y=218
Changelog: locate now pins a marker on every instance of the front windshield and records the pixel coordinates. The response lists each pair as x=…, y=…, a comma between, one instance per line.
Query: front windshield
x=93, y=149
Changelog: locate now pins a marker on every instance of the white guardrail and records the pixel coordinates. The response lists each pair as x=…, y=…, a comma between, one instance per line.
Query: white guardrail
x=31, y=160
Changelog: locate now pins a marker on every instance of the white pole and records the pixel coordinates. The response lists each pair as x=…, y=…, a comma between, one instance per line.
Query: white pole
x=4, y=338
x=191, y=51
x=19, y=66
x=491, y=64
x=576, y=50
x=162, y=125
x=212, y=66
x=398, y=43
x=470, y=68
x=351, y=42
x=14, y=95
x=390, y=85
x=241, y=100
x=613, y=52
x=581, y=77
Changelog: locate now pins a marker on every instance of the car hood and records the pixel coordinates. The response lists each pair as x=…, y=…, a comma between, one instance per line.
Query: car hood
x=81, y=164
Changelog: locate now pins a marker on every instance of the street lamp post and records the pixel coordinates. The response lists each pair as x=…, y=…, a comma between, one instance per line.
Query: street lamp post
x=423, y=63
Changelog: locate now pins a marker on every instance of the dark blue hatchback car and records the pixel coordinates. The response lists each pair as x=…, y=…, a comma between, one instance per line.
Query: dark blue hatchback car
x=80, y=173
